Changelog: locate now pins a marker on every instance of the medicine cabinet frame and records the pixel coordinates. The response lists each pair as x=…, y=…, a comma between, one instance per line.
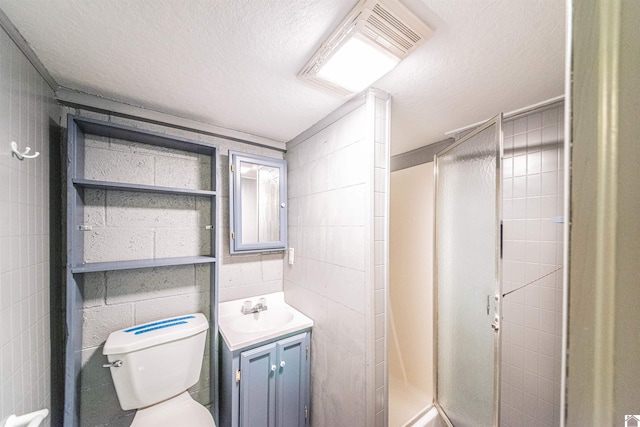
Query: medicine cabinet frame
x=237, y=243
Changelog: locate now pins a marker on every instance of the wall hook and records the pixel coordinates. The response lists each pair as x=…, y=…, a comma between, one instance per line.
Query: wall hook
x=23, y=155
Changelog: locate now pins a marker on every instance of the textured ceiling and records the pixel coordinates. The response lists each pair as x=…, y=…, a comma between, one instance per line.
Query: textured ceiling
x=233, y=63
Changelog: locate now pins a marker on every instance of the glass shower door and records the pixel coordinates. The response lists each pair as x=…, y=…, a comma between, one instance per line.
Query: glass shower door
x=467, y=277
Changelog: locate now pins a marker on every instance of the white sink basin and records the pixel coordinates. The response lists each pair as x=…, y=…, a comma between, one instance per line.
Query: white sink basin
x=262, y=321
x=242, y=330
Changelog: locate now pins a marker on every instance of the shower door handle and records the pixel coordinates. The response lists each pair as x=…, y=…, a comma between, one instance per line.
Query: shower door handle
x=496, y=298
x=496, y=323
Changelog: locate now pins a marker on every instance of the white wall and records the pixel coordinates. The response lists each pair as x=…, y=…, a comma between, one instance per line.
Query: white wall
x=338, y=180
x=604, y=318
x=26, y=109
x=411, y=292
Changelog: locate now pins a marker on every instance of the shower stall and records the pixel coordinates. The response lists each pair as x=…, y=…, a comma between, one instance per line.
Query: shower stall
x=467, y=276
x=410, y=329
x=497, y=282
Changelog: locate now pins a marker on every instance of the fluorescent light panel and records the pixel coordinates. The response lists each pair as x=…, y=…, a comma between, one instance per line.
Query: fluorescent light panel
x=370, y=42
x=357, y=64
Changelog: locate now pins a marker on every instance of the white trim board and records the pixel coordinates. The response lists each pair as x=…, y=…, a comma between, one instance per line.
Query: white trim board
x=26, y=50
x=72, y=98
x=336, y=115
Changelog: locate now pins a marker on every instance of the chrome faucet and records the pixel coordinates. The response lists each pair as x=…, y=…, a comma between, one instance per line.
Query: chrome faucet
x=260, y=306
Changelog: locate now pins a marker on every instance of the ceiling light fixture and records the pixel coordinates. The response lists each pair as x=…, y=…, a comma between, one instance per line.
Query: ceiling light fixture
x=370, y=42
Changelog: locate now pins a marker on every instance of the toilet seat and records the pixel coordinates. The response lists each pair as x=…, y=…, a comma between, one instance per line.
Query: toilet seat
x=181, y=410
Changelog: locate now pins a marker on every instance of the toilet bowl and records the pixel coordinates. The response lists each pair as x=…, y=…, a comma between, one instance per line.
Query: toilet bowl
x=181, y=410
x=153, y=365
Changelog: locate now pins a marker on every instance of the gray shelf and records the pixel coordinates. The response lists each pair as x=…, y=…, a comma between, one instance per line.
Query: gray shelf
x=123, y=186
x=127, y=133
x=93, y=267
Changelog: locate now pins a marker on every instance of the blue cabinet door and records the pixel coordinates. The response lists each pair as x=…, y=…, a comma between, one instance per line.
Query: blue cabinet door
x=292, y=381
x=274, y=386
x=257, y=387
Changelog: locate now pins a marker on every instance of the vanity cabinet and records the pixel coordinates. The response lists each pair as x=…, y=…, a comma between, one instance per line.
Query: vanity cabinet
x=266, y=385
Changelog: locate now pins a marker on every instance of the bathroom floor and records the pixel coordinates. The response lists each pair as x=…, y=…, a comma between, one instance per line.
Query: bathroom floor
x=405, y=401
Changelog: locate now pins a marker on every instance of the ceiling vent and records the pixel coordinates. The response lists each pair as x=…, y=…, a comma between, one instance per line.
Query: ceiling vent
x=387, y=31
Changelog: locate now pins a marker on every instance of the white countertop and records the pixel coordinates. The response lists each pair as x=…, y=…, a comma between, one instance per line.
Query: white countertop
x=230, y=311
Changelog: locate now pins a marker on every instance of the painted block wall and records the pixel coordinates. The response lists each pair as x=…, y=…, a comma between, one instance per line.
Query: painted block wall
x=127, y=226
x=533, y=247
x=26, y=109
x=338, y=213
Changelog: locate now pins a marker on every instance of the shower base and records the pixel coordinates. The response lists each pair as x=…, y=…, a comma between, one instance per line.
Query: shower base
x=406, y=403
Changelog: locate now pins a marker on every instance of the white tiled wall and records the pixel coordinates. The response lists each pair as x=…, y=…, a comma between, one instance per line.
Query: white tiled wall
x=533, y=247
x=338, y=181
x=381, y=186
x=26, y=107
x=157, y=226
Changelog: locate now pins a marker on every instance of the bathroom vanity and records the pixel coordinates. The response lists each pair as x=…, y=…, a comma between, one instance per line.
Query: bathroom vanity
x=265, y=363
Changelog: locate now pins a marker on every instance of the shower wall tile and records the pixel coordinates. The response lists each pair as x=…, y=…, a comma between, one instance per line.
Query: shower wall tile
x=520, y=126
x=534, y=121
x=338, y=204
x=532, y=196
x=27, y=107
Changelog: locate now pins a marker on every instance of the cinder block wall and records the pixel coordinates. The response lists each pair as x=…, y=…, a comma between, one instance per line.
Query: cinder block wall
x=132, y=226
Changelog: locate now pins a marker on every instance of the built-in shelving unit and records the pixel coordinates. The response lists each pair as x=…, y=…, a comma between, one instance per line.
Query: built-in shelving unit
x=79, y=131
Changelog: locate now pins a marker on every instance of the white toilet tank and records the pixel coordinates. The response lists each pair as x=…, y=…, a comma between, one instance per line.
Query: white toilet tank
x=157, y=360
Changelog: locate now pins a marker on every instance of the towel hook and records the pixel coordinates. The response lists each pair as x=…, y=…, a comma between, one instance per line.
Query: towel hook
x=25, y=154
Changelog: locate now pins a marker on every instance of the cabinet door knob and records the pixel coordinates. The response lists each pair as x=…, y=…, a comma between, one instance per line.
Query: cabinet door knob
x=273, y=367
x=282, y=364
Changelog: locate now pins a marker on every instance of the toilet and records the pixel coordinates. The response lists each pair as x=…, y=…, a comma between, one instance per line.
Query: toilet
x=153, y=365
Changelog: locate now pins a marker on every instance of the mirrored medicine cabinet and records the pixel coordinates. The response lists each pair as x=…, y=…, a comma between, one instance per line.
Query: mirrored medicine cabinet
x=257, y=203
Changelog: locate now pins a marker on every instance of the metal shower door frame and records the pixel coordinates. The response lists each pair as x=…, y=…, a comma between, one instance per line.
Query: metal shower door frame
x=495, y=121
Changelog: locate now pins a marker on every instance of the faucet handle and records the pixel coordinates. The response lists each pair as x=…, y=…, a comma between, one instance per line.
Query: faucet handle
x=263, y=303
x=246, y=307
